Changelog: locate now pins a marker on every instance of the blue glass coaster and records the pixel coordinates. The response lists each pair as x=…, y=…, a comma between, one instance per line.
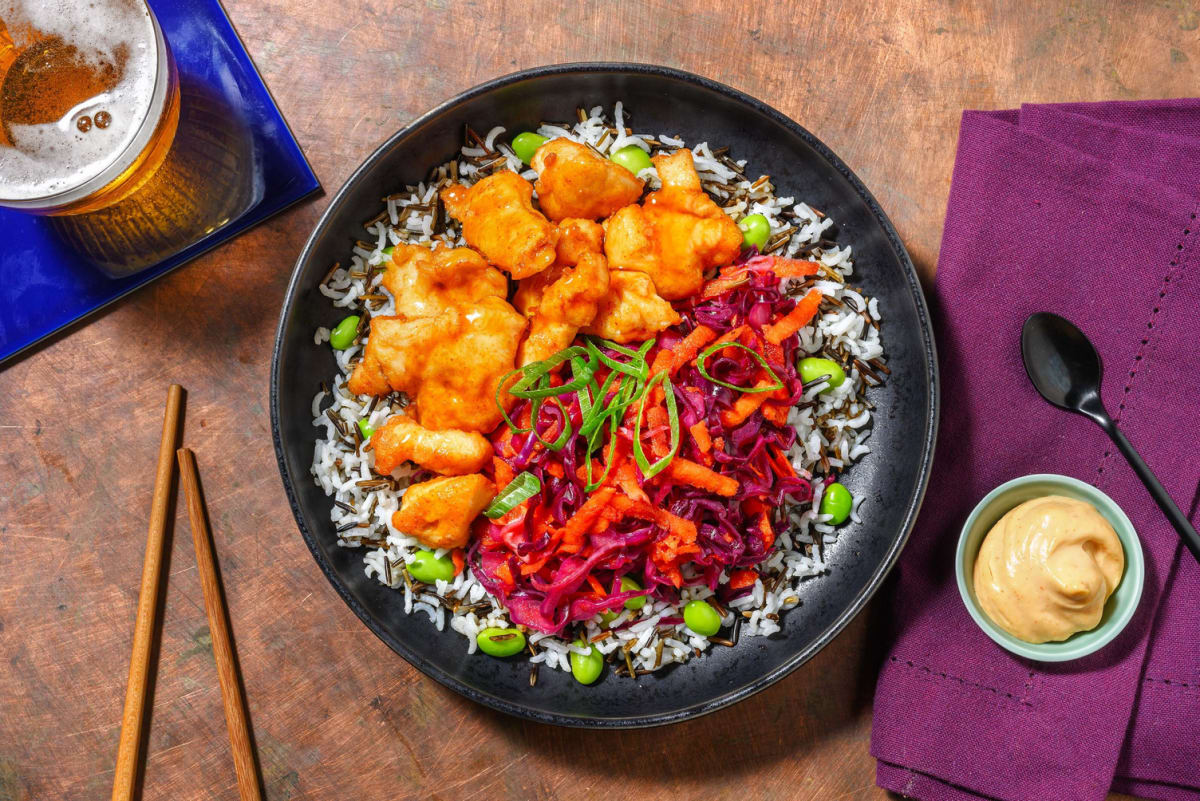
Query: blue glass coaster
x=45, y=285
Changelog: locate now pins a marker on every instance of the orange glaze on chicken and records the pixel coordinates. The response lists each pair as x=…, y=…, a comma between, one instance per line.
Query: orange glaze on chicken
x=561, y=300
x=499, y=220
x=453, y=336
x=574, y=181
x=676, y=234
x=632, y=311
x=452, y=453
x=439, y=512
x=425, y=282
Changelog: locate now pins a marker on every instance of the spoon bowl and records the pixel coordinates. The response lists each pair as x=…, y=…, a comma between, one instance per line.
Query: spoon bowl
x=1063, y=364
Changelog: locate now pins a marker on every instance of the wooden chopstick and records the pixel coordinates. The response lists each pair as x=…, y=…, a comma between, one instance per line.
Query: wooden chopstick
x=218, y=625
x=133, y=719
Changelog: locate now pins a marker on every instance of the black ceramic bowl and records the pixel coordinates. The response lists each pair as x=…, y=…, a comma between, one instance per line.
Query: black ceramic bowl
x=891, y=479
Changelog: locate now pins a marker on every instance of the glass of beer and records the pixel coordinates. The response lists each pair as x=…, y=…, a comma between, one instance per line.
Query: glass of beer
x=99, y=133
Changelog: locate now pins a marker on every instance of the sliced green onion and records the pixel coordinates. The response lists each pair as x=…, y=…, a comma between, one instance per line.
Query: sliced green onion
x=600, y=410
x=777, y=381
x=639, y=455
x=637, y=369
x=535, y=371
x=578, y=366
x=589, y=485
x=520, y=489
x=513, y=427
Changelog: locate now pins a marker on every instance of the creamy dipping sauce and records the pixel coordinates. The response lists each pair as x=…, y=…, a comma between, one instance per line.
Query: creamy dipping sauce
x=1045, y=570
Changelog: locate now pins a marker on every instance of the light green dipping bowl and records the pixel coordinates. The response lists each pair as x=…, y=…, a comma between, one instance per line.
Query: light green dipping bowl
x=1121, y=604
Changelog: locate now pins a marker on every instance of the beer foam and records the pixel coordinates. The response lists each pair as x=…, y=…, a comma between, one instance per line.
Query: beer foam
x=50, y=158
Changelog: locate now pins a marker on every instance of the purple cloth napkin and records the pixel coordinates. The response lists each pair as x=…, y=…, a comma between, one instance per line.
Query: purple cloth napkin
x=1090, y=211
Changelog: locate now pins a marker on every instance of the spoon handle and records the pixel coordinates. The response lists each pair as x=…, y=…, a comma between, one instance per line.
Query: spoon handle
x=1190, y=538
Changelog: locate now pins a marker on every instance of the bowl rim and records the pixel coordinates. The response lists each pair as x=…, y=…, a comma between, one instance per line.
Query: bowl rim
x=928, y=436
x=1062, y=651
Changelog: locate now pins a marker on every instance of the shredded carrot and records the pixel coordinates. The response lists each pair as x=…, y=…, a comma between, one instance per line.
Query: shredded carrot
x=732, y=335
x=504, y=473
x=575, y=530
x=783, y=468
x=662, y=362
x=555, y=469
x=529, y=568
x=764, y=528
x=504, y=573
x=700, y=435
x=740, y=579
x=773, y=353
x=690, y=346
x=782, y=267
x=686, y=471
x=775, y=414
x=746, y=405
x=719, y=286
x=794, y=268
x=459, y=559
x=794, y=320
x=597, y=587
x=627, y=481
x=719, y=443
x=658, y=422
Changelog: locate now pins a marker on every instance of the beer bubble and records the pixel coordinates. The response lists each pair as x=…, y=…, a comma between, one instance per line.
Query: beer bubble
x=103, y=119
x=84, y=123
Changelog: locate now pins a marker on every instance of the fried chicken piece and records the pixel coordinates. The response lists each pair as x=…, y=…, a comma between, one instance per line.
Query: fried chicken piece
x=575, y=238
x=425, y=282
x=575, y=181
x=560, y=306
x=676, y=234
x=632, y=311
x=499, y=220
x=386, y=364
x=439, y=512
x=449, y=363
x=451, y=453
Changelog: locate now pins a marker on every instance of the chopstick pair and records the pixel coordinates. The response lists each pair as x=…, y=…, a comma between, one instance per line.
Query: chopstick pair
x=133, y=718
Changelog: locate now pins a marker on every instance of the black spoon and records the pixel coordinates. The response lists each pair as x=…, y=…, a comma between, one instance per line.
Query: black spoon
x=1065, y=369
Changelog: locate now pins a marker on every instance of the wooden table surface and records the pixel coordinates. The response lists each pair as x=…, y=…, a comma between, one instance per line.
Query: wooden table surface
x=335, y=713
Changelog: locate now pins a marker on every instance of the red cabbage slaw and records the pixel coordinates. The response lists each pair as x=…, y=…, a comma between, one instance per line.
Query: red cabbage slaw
x=548, y=581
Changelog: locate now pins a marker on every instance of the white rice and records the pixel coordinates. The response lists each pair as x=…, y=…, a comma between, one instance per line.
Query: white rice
x=832, y=427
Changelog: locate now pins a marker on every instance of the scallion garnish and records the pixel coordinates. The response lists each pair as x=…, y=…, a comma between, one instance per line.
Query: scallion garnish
x=520, y=489
x=776, y=382
x=639, y=455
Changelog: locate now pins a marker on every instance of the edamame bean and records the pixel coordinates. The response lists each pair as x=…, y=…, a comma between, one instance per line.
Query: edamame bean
x=812, y=368
x=837, y=501
x=607, y=617
x=526, y=144
x=586, y=669
x=629, y=585
x=366, y=428
x=632, y=158
x=500, y=642
x=700, y=617
x=428, y=568
x=342, y=335
x=755, y=231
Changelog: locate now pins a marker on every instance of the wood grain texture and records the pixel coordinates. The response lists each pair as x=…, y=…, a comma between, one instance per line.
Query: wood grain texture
x=335, y=713
x=142, y=665
x=241, y=742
